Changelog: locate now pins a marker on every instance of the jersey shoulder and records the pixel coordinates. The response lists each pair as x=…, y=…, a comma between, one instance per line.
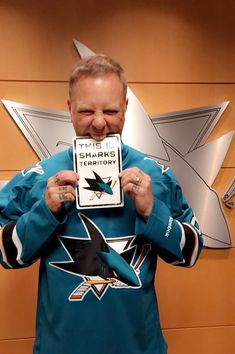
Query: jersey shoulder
x=149, y=165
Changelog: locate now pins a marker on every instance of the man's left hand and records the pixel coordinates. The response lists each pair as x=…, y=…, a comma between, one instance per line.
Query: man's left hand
x=137, y=185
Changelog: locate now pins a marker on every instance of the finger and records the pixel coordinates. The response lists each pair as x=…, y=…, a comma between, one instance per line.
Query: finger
x=130, y=171
x=66, y=177
x=135, y=188
x=131, y=188
x=133, y=178
x=66, y=197
x=62, y=178
x=66, y=190
x=52, y=195
x=138, y=180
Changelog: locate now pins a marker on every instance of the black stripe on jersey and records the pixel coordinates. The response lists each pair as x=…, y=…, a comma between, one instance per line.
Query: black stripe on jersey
x=190, y=244
x=9, y=246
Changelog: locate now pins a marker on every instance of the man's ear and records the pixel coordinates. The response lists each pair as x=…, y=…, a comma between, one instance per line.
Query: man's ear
x=69, y=104
x=126, y=102
x=70, y=108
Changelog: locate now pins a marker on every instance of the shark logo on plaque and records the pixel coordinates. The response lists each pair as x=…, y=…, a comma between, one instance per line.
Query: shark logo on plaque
x=98, y=164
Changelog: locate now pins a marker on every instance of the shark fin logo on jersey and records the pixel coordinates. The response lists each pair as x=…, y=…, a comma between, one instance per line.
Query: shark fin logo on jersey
x=37, y=168
x=101, y=262
x=99, y=186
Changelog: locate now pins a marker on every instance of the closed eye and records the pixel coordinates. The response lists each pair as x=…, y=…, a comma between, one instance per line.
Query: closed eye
x=110, y=112
x=86, y=112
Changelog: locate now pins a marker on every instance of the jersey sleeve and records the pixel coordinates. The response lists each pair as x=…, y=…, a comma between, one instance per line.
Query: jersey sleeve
x=172, y=228
x=23, y=236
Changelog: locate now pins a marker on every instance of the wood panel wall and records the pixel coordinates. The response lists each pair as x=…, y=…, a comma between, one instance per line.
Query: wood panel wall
x=178, y=55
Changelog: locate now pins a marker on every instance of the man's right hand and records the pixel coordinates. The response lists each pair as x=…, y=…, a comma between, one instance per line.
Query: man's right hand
x=60, y=189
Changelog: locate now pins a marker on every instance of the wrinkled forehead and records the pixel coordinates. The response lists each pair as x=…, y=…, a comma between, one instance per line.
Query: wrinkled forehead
x=82, y=76
x=98, y=93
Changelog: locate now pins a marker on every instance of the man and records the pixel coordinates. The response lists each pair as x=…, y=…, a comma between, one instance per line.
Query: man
x=96, y=287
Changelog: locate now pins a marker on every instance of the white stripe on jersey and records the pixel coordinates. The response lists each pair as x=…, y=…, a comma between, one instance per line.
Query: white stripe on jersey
x=18, y=244
x=183, y=239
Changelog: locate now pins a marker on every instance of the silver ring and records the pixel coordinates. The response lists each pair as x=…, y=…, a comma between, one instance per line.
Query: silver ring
x=138, y=180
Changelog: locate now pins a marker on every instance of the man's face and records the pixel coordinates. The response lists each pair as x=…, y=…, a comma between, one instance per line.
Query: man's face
x=97, y=106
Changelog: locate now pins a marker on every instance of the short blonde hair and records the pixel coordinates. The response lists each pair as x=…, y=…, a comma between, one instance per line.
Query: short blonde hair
x=95, y=66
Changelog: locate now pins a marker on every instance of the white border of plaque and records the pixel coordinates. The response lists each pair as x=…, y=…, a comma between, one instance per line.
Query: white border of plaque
x=98, y=164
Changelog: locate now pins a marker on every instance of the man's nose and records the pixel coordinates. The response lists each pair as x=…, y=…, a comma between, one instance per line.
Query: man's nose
x=99, y=120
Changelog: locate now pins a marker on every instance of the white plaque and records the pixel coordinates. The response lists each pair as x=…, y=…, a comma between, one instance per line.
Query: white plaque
x=98, y=164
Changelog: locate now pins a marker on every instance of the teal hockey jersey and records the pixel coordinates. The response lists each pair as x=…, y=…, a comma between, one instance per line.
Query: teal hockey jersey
x=97, y=266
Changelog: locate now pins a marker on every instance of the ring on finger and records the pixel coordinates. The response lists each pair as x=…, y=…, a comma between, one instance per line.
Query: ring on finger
x=138, y=180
